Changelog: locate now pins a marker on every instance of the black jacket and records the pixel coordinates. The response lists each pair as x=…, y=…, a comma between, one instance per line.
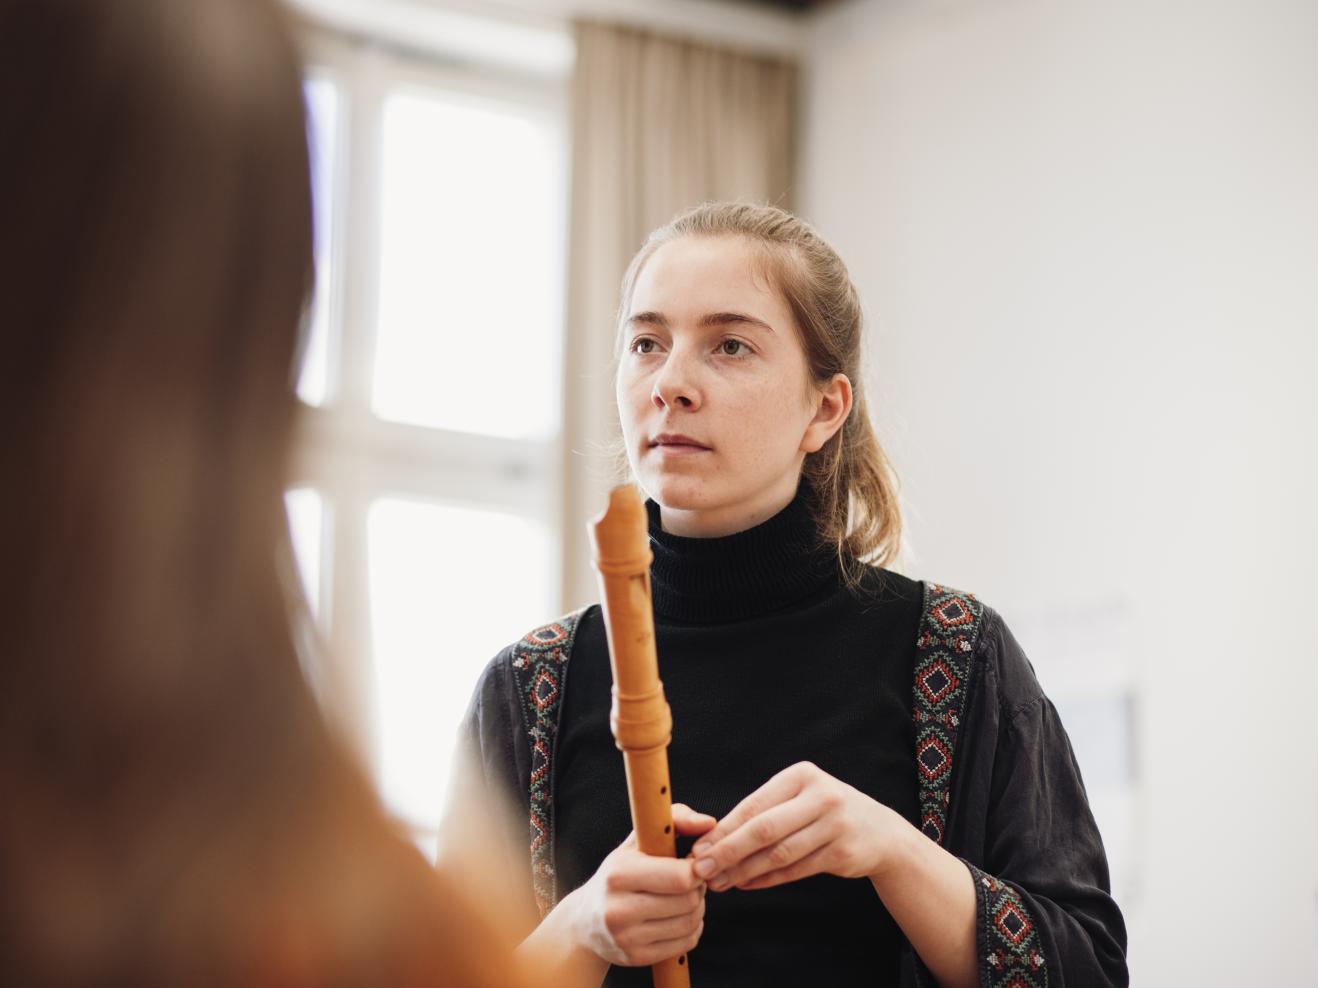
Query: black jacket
x=999, y=788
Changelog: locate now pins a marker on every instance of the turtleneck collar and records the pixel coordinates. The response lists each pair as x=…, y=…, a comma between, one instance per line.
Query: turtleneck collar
x=745, y=575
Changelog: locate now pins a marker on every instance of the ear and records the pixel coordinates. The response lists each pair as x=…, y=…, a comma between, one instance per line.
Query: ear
x=834, y=406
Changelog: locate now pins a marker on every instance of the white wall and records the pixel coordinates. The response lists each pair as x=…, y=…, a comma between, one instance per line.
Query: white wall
x=1087, y=235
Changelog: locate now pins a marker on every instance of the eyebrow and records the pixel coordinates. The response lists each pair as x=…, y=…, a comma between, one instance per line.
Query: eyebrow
x=712, y=319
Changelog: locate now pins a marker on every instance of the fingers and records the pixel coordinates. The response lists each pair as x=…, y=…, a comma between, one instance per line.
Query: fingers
x=768, y=830
x=782, y=787
x=645, y=907
x=812, y=864
x=781, y=855
x=638, y=928
x=654, y=940
x=653, y=953
x=639, y=909
x=689, y=823
x=799, y=823
x=635, y=918
x=673, y=927
x=633, y=871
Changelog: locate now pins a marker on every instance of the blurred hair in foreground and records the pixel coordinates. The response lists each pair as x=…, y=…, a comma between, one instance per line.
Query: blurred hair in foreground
x=175, y=810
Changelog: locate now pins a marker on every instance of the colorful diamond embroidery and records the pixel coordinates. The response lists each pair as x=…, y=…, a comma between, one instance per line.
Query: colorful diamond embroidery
x=539, y=760
x=944, y=645
x=933, y=758
x=539, y=665
x=550, y=634
x=932, y=828
x=1015, y=957
x=953, y=613
x=539, y=832
x=937, y=681
x=1012, y=922
x=544, y=691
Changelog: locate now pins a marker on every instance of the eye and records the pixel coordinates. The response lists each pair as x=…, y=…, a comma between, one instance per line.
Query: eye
x=643, y=344
x=733, y=348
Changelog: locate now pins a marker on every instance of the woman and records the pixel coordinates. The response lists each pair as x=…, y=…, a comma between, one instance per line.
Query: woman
x=175, y=811
x=841, y=840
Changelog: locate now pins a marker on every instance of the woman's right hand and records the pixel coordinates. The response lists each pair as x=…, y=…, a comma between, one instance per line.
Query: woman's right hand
x=638, y=909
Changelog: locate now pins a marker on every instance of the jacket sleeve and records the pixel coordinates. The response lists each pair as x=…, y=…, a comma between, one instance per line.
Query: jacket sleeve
x=1044, y=913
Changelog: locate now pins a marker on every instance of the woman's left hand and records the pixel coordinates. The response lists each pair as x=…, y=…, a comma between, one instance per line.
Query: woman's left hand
x=801, y=822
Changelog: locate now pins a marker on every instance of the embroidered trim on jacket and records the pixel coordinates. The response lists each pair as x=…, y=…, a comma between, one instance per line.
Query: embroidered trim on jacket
x=540, y=673
x=948, y=630
x=1010, y=944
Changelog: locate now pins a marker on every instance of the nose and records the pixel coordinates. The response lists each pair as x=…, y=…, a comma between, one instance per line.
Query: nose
x=675, y=385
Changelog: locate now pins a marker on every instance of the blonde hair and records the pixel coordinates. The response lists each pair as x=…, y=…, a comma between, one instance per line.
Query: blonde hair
x=852, y=483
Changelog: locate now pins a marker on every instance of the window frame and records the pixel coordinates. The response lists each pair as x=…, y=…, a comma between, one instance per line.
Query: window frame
x=343, y=451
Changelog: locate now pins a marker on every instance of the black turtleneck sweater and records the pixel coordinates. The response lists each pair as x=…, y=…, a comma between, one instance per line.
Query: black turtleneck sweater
x=767, y=659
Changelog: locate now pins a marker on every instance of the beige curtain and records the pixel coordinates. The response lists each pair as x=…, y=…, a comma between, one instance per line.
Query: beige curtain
x=659, y=124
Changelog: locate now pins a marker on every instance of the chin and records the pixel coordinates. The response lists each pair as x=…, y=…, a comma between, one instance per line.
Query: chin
x=678, y=493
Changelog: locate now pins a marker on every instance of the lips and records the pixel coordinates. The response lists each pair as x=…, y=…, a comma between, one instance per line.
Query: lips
x=676, y=441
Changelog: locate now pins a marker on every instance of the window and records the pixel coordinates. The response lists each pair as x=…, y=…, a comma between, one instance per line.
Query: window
x=427, y=653
x=455, y=229
x=323, y=119
x=424, y=508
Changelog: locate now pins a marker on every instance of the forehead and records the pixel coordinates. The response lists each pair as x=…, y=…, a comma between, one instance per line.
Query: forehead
x=693, y=276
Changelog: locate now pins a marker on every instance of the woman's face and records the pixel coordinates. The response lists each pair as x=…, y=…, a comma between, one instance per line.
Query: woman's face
x=717, y=408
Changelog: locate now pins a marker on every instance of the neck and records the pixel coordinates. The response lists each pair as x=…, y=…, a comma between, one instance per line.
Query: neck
x=747, y=574
x=717, y=522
